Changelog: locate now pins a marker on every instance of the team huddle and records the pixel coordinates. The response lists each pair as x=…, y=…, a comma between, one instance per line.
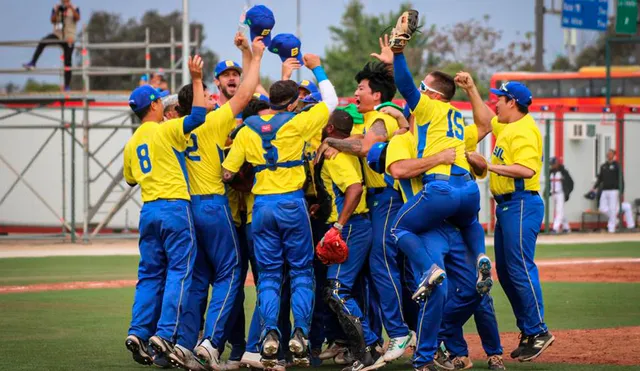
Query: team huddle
x=353, y=218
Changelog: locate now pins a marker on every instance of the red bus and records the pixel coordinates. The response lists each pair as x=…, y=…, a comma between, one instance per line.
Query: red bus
x=585, y=87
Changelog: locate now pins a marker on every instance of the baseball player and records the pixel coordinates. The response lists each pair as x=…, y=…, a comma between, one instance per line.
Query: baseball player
x=514, y=180
x=281, y=230
x=376, y=86
x=154, y=158
x=561, y=188
x=449, y=192
x=608, y=183
x=341, y=177
x=218, y=257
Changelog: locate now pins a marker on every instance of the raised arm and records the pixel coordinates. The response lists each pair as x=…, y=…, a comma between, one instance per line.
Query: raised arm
x=328, y=92
x=251, y=79
x=198, y=110
x=404, y=81
x=242, y=43
x=482, y=115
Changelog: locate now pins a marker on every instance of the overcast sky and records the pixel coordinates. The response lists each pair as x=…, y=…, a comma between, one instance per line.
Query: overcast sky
x=29, y=20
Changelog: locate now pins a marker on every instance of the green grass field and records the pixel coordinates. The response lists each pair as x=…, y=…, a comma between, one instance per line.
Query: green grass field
x=85, y=329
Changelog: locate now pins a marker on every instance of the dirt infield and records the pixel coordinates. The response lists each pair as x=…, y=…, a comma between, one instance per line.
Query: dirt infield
x=608, y=346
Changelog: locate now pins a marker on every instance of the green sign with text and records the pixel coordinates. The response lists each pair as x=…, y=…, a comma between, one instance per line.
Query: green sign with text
x=627, y=17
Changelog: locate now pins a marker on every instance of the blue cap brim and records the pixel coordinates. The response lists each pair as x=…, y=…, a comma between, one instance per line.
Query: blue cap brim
x=266, y=40
x=499, y=92
x=163, y=93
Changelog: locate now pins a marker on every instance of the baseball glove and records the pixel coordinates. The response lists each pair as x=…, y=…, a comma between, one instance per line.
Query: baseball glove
x=332, y=249
x=405, y=27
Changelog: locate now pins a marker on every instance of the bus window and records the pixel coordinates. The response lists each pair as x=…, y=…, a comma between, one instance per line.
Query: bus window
x=600, y=87
x=632, y=87
x=543, y=88
x=575, y=88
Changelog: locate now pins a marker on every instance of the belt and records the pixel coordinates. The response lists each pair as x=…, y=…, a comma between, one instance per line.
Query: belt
x=167, y=199
x=218, y=198
x=376, y=191
x=515, y=195
x=431, y=177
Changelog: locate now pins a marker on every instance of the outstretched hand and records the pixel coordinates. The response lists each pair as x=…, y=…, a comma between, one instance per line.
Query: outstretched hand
x=386, y=54
x=195, y=67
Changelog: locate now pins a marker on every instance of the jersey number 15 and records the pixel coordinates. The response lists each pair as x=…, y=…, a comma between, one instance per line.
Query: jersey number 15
x=456, y=125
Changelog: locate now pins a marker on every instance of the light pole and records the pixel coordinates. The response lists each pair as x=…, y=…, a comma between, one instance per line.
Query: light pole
x=185, y=42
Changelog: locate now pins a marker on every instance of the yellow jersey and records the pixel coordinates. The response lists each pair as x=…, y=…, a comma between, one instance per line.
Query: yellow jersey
x=337, y=175
x=205, y=152
x=373, y=179
x=310, y=149
x=154, y=158
x=289, y=143
x=439, y=126
x=520, y=143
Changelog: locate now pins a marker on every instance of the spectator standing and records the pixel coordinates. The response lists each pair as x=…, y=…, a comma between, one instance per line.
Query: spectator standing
x=64, y=18
x=561, y=188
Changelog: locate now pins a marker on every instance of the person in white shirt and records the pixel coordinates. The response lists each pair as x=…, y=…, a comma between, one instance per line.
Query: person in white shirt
x=561, y=188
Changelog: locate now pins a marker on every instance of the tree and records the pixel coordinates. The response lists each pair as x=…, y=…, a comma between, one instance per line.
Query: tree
x=475, y=44
x=357, y=37
x=453, y=68
x=10, y=88
x=109, y=27
x=33, y=86
x=562, y=63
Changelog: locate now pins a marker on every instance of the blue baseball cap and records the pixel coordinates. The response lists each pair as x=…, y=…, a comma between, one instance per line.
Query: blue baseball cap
x=143, y=96
x=287, y=46
x=227, y=65
x=516, y=91
x=261, y=97
x=308, y=85
x=312, y=98
x=377, y=157
x=260, y=20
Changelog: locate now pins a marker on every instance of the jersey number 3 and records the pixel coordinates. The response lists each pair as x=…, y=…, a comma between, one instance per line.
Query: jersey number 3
x=143, y=158
x=456, y=126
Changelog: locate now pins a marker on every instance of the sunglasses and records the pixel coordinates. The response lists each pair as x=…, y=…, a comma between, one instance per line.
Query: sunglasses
x=424, y=88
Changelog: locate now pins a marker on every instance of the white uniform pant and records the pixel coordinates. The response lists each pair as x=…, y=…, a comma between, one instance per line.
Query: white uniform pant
x=629, y=219
x=610, y=205
x=559, y=218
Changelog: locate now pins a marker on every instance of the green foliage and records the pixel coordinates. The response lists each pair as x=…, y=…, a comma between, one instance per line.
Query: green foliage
x=109, y=27
x=357, y=37
x=33, y=86
x=455, y=67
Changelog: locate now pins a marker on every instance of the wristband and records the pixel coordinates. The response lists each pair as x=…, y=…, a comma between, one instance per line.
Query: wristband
x=338, y=226
x=319, y=73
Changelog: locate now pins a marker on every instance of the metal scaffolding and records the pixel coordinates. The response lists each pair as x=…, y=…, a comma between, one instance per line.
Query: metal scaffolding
x=77, y=103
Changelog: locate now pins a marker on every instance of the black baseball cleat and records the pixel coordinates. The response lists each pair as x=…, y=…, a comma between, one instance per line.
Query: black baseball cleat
x=371, y=360
x=521, y=344
x=270, y=348
x=138, y=350
x=298, y=346
x=536, y=344
x=441, y=359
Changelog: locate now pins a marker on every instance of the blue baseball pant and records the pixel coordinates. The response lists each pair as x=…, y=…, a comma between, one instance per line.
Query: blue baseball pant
x=282, y=235
x=284, y=323
x=317, y=334
x=357, y=234
x=463, y=300
x=455, y=199
x=436, y=245
x=167, y=255
x=519, y=221
x=217, y=265
x=384, y=204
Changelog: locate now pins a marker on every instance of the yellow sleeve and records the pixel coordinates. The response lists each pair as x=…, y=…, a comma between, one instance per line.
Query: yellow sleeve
x=424, y=110
x=173, y=132
x=398, y=149
x=236, y=156
x=523, y=147
x=342, y=171
x=219, y=124
x=497, y=127
x=470, y=138
x=128, y=173
x=390, y=123
x=311, y=122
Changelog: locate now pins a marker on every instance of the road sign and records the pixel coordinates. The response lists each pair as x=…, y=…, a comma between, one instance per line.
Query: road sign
x=627, y=17
x=585, y=14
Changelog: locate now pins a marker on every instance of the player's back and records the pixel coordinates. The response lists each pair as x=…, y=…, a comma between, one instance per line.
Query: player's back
x=439, y=126
x=337, y=175
x=154, y=159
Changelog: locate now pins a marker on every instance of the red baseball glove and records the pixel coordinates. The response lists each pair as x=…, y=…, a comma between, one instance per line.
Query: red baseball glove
x=332, y=249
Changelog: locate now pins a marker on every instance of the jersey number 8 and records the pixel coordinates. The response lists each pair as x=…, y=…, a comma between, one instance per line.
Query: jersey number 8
x=143, y=157
x=454, y=118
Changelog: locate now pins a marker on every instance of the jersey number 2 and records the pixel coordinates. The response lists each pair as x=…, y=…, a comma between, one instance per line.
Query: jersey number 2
x=194, y=148
x=456, y=126
x=143, y=158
